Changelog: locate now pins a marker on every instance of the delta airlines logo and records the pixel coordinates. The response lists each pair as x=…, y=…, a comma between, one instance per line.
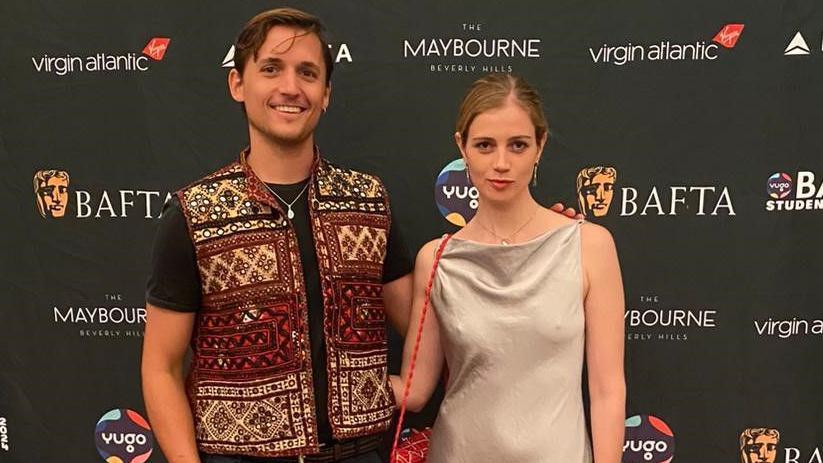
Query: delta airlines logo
x=668, y=50
x=787, y=195
x=340, y=53
x=154, y=50
x=53, y=199
x=596, y=189
x=797, y=46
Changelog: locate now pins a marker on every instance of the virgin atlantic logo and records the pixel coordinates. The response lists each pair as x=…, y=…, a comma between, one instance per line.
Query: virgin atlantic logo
x=727, y=37
x=156, y=48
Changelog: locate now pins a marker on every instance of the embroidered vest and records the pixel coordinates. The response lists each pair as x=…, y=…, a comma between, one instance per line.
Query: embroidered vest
x=250, y=381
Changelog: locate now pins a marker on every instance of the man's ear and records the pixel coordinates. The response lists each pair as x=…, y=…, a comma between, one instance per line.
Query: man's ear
x=235, y=81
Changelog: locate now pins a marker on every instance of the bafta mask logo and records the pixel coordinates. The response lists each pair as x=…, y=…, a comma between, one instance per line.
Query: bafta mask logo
x=51, y=190
x=759, y=445
x=595, y=190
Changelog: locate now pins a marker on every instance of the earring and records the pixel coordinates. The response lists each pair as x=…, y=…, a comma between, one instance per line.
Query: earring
x=468, y=179
x=534, y=175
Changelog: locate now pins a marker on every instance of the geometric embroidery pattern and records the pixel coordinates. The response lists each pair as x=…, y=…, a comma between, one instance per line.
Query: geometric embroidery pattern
x=238, y=267
x=256, y=421
x=251, y=377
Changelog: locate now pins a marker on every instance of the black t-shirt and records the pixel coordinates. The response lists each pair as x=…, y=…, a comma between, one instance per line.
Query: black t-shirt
x=174, y=282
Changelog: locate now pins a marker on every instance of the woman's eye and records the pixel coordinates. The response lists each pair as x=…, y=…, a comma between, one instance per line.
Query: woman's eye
x=519, y=146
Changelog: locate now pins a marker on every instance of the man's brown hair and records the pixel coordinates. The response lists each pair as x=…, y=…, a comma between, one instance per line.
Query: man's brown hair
x=254, y=33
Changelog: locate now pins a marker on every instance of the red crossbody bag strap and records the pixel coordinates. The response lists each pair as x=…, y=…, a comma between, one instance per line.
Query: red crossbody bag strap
x=408, y=382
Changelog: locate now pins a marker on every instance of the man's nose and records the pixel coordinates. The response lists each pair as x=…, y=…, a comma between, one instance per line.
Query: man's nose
x=288, y=83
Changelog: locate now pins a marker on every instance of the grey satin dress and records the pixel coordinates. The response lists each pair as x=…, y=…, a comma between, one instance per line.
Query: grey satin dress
x=512, y=329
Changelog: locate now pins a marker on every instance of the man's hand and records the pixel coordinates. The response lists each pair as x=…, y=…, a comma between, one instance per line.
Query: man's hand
x=567, y=211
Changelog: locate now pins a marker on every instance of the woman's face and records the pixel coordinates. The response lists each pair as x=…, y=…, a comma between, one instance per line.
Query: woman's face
x=500, y=151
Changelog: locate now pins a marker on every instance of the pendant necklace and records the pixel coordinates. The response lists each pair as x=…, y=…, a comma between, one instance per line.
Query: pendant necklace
x=506, y=241
x=289, y=211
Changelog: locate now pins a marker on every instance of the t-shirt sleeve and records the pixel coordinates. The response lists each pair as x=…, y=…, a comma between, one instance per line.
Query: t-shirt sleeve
x=174, y=281
x=398, y=262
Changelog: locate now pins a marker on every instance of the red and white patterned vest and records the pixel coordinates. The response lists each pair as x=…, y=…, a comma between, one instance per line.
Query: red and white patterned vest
x=250, y=382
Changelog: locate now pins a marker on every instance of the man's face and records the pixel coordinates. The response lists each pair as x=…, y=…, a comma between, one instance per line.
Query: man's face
x=284, y=90
x=763, y=449
x=597, y=193
x=53, y=197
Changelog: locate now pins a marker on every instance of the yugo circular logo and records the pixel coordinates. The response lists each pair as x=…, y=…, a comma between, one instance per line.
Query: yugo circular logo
x=648, y=440
x=123, y=436
x=455, y=196
x=779, y=185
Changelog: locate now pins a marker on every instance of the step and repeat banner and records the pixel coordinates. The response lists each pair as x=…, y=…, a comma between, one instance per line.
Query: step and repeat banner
x=691, y=130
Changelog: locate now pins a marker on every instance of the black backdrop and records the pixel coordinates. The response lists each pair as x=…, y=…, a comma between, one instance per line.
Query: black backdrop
x=723, y=318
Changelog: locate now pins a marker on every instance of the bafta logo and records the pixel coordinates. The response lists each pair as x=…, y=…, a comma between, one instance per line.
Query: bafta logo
x=595, y=190
x=759, y=445
x=51, y=190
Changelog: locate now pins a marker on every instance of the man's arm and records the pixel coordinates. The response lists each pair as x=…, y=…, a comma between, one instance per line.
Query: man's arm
x=164, y=348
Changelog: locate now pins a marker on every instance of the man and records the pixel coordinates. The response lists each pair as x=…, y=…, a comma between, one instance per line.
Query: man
x=595, y=189
x=281, y=269
x=759, y=445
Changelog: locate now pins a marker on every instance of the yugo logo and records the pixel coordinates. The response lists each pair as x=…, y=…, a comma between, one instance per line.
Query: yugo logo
x=155, y=49
x=52, y=197
x=666, y=50
x=808, y=196
x=454, y=194
x=123, y=435
x=779, y=185
x=648, y=440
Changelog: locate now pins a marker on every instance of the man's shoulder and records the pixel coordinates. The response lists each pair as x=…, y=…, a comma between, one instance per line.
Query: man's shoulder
x=232, y=170
x=335, y=180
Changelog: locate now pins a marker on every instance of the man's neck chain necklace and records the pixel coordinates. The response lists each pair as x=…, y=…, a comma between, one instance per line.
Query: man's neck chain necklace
x=289, y=211
x=507, y=240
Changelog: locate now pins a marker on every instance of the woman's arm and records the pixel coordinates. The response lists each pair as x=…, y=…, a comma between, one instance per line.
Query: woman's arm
x=429, y=361
x=604, y=306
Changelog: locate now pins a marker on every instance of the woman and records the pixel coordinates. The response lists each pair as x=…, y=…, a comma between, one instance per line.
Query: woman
x=519, y=295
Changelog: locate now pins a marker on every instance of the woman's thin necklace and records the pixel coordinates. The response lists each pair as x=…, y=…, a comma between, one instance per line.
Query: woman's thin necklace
x=506, y=241
x=289, y=211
